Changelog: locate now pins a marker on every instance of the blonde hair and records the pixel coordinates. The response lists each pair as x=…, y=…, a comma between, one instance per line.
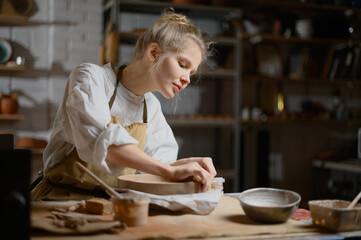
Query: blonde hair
x=169, y=32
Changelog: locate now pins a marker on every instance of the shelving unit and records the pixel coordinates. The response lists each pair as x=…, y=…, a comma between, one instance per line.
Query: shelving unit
x=10, y=68
x=281, y=42
x=293, y=138
x=285, y=44
x=212, y=126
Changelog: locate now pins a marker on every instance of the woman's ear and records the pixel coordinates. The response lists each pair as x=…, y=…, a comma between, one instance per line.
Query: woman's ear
x=152, y=52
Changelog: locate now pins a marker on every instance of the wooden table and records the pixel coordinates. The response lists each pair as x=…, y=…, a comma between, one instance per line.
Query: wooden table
x=227, y=221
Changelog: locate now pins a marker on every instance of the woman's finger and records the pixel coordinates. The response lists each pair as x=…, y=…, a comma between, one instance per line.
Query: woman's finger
x=198, y=178
x=204, y=162
x=203, y=177
x=207, y=164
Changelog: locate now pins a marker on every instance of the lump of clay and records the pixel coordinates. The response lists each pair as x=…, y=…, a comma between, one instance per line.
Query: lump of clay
x=153, y=184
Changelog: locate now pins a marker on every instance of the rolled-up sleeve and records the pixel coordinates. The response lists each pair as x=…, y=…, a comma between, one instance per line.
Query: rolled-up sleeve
x=89, y=114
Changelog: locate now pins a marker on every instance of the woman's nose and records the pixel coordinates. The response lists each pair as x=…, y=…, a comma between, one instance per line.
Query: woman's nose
x=185, y=79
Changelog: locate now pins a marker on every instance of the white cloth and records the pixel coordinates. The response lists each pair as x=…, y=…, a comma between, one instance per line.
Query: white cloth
x=83, y=115
x=198, y=203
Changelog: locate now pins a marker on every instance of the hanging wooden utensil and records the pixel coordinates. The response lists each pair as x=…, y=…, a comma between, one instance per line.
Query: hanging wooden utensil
x=353, y=203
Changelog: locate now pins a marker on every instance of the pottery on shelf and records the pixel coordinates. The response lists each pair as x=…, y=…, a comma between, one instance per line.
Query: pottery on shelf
x=9, y=103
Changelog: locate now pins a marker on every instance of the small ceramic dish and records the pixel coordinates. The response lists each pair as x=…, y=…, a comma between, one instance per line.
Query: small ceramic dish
x=334, y=215
x=5, y=50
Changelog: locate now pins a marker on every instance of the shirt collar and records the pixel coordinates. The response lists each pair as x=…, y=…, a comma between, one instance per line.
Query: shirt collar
x=123, y=91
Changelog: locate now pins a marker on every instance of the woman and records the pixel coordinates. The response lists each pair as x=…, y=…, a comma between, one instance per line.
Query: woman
x=111, y=122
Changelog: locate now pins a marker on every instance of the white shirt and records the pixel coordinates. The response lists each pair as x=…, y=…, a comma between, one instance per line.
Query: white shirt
x=84, y=113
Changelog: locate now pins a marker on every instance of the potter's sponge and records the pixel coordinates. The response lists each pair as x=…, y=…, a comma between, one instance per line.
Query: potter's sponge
x=99, y=206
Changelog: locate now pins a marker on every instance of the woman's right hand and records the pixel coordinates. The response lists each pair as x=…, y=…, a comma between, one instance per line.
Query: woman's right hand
x=200, y=169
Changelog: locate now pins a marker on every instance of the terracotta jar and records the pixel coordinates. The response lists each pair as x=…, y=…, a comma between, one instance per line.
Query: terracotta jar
x=9, y=103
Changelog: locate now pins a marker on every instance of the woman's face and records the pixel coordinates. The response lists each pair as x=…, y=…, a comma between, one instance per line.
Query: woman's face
x=174, y=72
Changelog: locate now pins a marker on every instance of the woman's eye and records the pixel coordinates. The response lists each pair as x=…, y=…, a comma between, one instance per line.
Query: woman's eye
x=181, y=64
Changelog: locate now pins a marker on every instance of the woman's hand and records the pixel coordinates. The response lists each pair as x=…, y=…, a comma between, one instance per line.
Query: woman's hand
x=201, y=169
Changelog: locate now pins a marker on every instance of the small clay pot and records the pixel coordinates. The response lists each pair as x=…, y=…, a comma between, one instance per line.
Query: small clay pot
x=9, y=104
x=131, y=209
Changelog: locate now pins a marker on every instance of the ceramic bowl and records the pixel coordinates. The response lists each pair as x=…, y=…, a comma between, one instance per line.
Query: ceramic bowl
x=5, y=50
x=269, y=205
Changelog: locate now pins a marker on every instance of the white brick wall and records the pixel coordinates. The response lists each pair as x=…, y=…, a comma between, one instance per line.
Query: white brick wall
x=71, y=34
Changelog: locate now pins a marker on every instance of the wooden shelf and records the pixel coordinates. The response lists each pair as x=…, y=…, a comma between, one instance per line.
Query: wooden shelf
x=298, y=5
x=146, y=6
x=256, y=38
x=37, y=151
x=131, y=38
x=197, y=121
x=11, y=117
x=218, y=73
x=13, y=20
x=301, y=81
x=300, y=121
x=12, y=68
x=345, y=166
x=224, y=40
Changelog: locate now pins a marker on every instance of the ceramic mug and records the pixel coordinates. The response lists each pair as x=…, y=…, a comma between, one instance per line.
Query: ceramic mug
x=304, y=28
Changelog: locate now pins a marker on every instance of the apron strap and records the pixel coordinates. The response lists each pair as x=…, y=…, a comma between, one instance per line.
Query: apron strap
x=111, y=101
x=145, y=113
x=119, y=75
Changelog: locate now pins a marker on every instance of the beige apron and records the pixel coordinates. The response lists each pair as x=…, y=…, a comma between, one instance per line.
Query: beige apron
x=66, y=181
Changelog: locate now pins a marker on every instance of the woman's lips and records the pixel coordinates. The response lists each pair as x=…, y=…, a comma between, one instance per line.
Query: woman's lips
x=177, y=88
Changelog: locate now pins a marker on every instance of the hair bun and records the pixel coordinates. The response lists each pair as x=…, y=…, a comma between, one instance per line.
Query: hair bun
x=170, y=15
x=169, y=32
